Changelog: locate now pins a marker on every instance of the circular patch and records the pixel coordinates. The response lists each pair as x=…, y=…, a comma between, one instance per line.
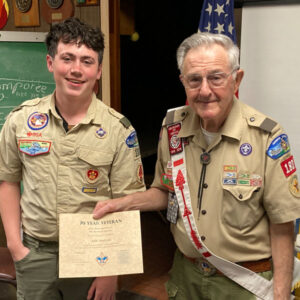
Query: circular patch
x=245, y=149
x=92, y=175
x=101, y=133
x=140, y=173
x=37, y=121
x=55, y=3
x=294, y=186
x=23, y=5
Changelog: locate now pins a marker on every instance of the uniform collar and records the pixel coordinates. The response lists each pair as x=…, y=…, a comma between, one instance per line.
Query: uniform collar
x=233, y=124
x=191, y=124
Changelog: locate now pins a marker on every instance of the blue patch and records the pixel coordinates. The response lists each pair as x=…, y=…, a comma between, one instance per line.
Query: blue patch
x=34, y=147
x=229, y=181
x=279, y=147
x=37, y=121
x=246, y=149
x=132, y=140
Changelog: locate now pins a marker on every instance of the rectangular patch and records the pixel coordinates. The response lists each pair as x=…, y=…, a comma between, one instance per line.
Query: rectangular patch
x=229, y=181
x=230, y=168
x=288, y=166
x=89, y=190
x=244, y=182
x=229, y=175
x=178, y=162
x=175, y=143
x=34, y=147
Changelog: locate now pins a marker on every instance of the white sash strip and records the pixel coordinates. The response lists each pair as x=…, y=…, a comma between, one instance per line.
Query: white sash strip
x=251, y=281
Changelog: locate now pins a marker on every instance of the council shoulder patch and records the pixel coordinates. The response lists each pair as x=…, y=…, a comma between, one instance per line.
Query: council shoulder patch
x=132, y=140
x=279, y=146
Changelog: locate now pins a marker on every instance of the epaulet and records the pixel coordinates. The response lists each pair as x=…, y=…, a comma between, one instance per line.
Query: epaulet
x=262, y=122
x=31, y=102
x=123, y=120
x=175, y=115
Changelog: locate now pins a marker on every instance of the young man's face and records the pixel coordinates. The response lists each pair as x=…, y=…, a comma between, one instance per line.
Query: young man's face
x=75, y=70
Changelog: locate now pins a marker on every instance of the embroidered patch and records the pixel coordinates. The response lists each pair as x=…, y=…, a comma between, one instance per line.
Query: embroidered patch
x=37, y=121
x=92, y=175
x=34, y=147
x=294, y=187
x=175, y=143
x=279, y=147
x=244, y=182
x=229, y=181
x=89, y=190
x=101, y=133
x=246, y=149
x=229, y=175
x=140, y=173
x=244, y=175
x=167, y=181
x=255, y=180
x=169, y=168
x=288, y=166
x=34, y=134
x=230, y=168
x=132, y=140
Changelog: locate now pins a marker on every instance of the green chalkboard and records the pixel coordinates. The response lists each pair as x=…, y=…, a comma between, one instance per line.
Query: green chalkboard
x=23, y=74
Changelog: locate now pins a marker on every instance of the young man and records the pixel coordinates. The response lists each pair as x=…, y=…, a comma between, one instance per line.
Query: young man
x=230, y=171
x=70, y=151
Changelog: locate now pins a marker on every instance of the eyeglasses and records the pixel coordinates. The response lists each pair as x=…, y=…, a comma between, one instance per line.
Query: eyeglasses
x=214, y=80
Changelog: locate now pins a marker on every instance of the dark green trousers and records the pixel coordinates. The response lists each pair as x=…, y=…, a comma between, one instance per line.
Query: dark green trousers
x=189, y=282
x=37, y=275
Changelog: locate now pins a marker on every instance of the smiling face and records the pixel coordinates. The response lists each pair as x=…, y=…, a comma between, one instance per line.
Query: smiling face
x=75, y=70
x=210, y=103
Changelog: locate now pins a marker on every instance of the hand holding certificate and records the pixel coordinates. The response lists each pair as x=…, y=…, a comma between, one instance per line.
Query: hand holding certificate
x=105, y=247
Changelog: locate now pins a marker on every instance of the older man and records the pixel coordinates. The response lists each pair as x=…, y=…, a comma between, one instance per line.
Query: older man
x=230, y=171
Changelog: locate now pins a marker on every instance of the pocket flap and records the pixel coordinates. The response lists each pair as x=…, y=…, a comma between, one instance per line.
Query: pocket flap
x=241, y=192
x=95, y=158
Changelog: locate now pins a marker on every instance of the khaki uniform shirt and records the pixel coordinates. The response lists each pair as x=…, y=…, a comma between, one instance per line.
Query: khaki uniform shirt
x=67, y=172
x=235, y=213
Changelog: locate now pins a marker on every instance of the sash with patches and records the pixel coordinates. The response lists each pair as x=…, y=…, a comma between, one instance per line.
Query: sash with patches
x=34, y=147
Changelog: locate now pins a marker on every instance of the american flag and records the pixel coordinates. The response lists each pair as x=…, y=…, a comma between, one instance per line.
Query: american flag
x=217, y=17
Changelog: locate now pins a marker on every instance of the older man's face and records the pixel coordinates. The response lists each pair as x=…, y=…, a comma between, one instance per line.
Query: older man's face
x=210, y=101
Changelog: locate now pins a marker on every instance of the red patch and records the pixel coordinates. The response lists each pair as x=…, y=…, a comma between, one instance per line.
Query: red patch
x=92, y=175
x=175, y=143
x=288, y=166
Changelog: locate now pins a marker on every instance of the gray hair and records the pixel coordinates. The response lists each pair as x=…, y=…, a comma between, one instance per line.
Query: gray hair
x=205, y=39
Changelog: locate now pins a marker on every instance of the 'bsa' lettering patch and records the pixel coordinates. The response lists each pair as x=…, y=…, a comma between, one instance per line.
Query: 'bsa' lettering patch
x=175, y=143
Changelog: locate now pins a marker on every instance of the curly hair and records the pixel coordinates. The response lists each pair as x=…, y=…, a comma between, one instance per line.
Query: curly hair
x=72, y=30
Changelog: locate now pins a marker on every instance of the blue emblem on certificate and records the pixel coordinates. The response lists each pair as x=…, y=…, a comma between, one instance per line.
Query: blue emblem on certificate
x=132, y=140
x=37, y=121
x=34, y=147
x=279, y=147
x=102, y=259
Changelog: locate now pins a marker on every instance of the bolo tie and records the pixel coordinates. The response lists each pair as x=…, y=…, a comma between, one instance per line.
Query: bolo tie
x=205, y=160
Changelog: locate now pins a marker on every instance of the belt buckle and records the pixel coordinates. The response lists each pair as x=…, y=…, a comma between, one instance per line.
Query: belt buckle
x=206, y=268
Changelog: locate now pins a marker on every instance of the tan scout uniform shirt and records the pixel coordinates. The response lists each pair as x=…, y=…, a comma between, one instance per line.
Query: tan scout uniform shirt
x=97, y=159
x=234, y=218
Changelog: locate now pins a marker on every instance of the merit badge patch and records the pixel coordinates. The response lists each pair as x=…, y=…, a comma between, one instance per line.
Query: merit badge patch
x=140, y=173
x=34, y=147
x=101, y=133
x=132, y=140
x=279, y=147
x=92, y=175
x=167, y=181
x=288, y=166
x=172, y=210
x=37, y=121
x=175, y=143
x=294, y=187
x=246, y=149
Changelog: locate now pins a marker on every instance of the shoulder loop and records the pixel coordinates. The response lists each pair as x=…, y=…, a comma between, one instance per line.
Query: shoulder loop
x=31, y=102
x=125, y=122
x=267, y=125
x=175, y=115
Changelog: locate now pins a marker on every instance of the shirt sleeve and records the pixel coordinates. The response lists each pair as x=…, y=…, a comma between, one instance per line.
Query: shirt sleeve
x=127, y=175
x=281, y=192
x=10, y=163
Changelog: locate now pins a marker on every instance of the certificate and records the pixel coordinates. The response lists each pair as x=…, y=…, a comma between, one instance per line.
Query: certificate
x=92, y=248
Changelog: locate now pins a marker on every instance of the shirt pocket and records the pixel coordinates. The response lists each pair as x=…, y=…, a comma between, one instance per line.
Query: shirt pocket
x=93, y=169
x=241, y=206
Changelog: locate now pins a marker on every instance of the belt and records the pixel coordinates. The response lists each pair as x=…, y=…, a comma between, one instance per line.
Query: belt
x=255, y=266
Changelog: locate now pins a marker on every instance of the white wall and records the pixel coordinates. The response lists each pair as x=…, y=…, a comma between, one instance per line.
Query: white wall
x=270, y=56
